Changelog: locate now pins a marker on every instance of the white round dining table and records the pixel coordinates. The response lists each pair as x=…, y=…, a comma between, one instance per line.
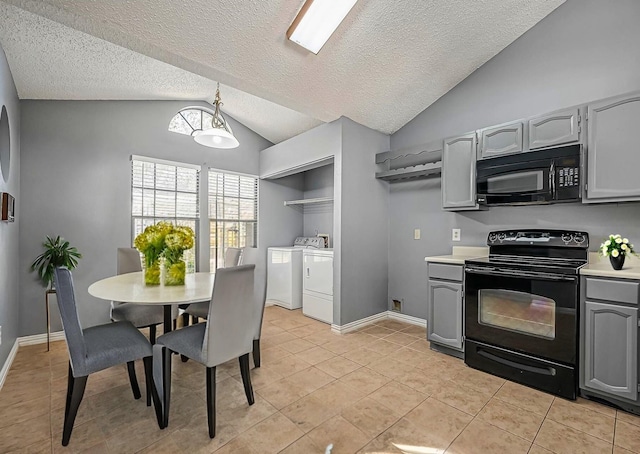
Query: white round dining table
x=130, y=288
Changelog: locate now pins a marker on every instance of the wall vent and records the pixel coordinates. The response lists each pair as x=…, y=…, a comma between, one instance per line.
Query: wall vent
x=396, y=304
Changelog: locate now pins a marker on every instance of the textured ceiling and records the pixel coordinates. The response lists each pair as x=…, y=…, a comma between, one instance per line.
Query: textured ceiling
x=386, y=63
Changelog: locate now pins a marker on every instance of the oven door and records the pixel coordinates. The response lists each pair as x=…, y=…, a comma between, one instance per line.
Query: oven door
x=516, y=183
x=532, y=313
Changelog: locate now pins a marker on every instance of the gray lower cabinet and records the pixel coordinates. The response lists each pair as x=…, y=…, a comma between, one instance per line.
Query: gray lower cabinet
x=459, y=173
x=501, y=140
x=609, y=338
x=613, y=158
x=611, y=349
x=445, y=312
x=557, y=128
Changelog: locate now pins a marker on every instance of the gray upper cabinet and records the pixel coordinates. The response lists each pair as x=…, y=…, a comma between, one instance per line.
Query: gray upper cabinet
x=445, y=313
x=501, y=140
x=557, y=128
x=611, y=349
x=613, y=155
x=459, y=173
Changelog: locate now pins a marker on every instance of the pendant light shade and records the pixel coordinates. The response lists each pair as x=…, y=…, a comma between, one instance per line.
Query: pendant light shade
x=219, y=135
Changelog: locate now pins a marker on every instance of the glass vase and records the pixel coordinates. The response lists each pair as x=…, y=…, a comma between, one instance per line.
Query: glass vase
x=174, y=272
x=152, y=273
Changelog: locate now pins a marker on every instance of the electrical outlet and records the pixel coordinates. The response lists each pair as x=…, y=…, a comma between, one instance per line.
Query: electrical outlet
x=416, y=234
x=455, y=235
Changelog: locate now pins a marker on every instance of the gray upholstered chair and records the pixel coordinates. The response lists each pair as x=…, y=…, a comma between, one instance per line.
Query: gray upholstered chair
x=250, y=256
x=232, y=257
x=141, y=315
x=227, y=334
x=96, y=348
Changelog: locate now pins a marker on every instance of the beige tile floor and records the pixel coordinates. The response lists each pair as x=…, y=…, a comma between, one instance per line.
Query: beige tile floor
x=379, y=390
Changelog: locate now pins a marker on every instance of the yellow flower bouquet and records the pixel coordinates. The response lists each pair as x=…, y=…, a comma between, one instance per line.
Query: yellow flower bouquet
x=164, y=241
x=176, y=242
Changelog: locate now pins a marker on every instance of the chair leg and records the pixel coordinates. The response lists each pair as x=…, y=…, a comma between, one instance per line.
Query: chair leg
x=131, y=366
x=75, y=391
x=194, y=320
x=152, y=392
x=152, y=334
x=166, y=384
x=175, y=324
x=185, y=319
x=211, y=400
x=148, y=377
x=256, y=352
x=246, y=377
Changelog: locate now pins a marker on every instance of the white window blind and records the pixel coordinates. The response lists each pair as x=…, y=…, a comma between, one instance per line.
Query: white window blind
x=165, y=191
x=233, y=213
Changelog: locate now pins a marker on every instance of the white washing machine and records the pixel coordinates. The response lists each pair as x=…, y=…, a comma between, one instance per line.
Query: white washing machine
x=284, y=272
x=317, y=287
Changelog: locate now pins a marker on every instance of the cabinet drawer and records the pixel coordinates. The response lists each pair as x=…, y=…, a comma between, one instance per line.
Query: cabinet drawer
x=604, y=289
x=449, y=272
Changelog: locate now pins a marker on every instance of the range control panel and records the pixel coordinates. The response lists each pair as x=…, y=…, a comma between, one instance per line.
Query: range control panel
x=546, y=238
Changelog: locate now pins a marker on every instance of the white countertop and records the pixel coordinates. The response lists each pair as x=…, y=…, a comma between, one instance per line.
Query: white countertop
x=459, y=255
x=600, y=266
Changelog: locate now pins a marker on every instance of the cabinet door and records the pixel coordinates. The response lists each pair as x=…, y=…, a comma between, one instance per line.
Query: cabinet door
x=611, y=347
x=501, y=140
x=613, y=157
x=445, y=313
x=459, y=172
x=554, y=129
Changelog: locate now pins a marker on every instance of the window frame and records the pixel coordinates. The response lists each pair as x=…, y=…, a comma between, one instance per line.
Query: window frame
x=213, y=261
x=174, y=220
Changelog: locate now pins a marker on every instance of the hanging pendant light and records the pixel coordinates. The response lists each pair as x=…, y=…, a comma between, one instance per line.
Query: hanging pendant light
x=219, y=135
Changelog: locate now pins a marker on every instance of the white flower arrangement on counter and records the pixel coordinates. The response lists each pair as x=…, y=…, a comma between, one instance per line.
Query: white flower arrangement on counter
x=616, y=246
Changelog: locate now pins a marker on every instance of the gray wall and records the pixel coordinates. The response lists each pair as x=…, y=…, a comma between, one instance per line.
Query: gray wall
x=76, y=178
x=364, y=235
x=9, y=257
x=318, y=218
x=584, y=50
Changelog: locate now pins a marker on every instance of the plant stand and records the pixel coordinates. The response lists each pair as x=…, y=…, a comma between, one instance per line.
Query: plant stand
x=46, y=302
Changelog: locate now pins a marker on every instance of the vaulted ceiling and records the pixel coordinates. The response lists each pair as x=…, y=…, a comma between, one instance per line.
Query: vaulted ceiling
x=387, y=62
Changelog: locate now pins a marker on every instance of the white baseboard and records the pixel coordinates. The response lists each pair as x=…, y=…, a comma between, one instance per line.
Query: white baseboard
x=387, y=315
x=40, y=338
x=342, y=329
x=393, y=315
x=7, y=364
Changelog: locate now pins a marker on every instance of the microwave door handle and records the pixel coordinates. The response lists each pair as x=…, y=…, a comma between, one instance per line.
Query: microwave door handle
x=552, y=179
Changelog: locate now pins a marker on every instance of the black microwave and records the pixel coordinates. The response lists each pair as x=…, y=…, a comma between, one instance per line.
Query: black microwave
x=536, y=177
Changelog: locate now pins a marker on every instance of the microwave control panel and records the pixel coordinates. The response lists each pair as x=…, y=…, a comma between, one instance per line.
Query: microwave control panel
x=568, y=177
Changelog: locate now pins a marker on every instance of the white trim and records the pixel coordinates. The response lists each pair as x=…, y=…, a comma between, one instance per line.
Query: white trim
x=341, y=329
x=7, y=364
x=387, y=315
x=40, y=338
x=393, y=315
x=135, y=157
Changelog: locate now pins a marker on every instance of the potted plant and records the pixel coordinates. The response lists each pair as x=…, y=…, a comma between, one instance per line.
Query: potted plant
x=616, y=248
x=58, y=252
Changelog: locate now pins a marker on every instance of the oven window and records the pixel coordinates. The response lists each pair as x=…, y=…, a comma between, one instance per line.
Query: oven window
x=518, y=311
x=514, y=183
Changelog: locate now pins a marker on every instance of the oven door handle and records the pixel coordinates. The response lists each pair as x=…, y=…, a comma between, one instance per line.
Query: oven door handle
x=522, y=274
